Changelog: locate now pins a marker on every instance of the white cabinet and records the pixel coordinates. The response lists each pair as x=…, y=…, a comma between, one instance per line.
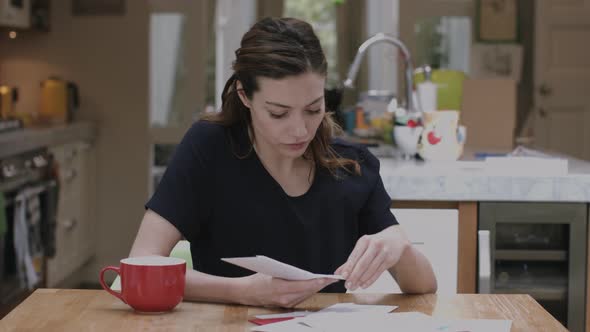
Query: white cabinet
x=75, y=242
x=435, y=233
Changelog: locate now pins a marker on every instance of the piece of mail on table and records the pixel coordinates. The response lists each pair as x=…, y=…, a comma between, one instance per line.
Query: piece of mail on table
x=276, y=269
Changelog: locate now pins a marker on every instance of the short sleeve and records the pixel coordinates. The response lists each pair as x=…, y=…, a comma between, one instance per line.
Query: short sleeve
x=182, y=194
x=375, y=215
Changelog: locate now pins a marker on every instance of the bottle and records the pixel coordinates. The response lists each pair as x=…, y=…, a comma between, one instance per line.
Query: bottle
x=427, y=91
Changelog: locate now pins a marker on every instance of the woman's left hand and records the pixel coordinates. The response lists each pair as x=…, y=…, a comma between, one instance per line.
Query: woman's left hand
x=372, y=255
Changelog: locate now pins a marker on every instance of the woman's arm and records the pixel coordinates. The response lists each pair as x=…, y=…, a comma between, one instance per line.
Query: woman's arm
x=413, y=272
x=388, y=250
x=157, y=236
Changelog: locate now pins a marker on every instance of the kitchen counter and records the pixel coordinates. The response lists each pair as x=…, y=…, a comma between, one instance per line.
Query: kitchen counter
x=15, y=142
x=467, y=180
x=466, y=184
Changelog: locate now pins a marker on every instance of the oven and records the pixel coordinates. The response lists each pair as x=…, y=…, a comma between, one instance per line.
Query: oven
x=28, y=210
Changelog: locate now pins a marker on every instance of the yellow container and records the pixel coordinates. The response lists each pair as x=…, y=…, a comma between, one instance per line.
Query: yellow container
x=449, y=87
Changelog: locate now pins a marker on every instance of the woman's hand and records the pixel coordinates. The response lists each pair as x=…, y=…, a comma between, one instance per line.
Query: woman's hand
x=371, y=256
x=262, y=290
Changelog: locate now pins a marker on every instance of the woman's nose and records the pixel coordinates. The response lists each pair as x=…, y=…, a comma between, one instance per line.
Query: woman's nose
x=299, y=128
x=300, y=131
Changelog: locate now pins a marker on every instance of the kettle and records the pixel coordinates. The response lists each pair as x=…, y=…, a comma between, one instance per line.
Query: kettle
x=8, y=99
x=59, y=101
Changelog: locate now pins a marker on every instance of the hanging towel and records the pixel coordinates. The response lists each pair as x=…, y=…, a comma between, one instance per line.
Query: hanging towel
x=26, y=271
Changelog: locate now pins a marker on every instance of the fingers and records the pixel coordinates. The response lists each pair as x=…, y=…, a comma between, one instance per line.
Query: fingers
x=383, y=267
x=297, y=287
x=373, y=269
x=357, y=252
x=361, y=266
x=305, y=296
x=295, y=292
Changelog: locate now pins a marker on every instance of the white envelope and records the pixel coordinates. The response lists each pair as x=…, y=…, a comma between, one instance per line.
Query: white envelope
x=274, y=268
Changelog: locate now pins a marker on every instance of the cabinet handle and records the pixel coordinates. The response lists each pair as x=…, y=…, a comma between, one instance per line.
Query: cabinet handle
x=485, y=262
x=70, y=175
x=69, y=224
x=71, y=154
x=542, y=113
x=545, y=90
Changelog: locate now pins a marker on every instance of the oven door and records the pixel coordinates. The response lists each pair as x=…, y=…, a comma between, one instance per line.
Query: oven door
x=41, y=235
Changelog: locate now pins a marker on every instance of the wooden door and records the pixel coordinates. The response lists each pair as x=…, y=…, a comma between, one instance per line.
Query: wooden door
x=562, y=76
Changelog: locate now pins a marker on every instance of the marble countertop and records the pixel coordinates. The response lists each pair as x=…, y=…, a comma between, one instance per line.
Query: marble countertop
x=469, y=180
x=15, y=142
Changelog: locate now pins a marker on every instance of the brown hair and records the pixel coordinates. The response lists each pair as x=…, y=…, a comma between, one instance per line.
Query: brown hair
x=277, y=48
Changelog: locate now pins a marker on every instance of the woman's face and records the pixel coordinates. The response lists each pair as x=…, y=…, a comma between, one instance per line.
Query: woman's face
x=287, y=112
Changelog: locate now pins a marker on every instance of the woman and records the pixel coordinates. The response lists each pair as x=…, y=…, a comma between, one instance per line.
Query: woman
x=265, y=177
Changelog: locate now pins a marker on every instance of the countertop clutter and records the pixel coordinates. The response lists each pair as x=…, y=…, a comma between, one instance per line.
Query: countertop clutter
x=15, y=142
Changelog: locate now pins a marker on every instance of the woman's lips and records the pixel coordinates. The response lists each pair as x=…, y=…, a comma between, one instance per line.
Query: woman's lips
x=296, y=146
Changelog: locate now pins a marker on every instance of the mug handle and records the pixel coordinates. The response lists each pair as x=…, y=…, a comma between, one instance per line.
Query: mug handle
x=104, y=285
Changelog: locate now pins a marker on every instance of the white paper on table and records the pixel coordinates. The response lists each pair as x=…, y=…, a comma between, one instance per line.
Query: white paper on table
x=330, y=313
x=274, y=268
x=352, y=308
x=364, y=321
x=379, y=321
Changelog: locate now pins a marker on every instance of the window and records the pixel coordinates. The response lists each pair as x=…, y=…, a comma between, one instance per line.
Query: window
x=180, y=56
x=321, y=14
x=166, y=68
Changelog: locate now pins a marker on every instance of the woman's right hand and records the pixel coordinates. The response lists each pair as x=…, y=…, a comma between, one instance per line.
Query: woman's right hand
x=262, y=290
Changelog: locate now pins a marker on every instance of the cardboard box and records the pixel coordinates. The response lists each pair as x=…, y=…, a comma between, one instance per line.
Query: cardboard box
x=489, y=113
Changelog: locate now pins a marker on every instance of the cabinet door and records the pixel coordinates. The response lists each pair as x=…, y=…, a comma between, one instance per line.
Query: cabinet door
x=86, y=231
x=63, y=263
x=434, y=232
x=74, y=237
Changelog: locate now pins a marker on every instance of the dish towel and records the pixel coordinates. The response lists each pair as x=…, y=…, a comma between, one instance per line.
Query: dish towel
x=24, y=262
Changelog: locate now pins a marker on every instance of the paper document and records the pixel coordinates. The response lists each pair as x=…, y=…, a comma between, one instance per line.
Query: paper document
x=314, y=321
x=274, y=268
x=350, y=317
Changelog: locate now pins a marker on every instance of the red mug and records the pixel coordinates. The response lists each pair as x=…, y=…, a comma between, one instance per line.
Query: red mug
x=149, y=283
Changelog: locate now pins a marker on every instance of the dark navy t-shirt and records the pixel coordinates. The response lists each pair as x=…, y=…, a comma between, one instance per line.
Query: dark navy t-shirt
x=218, y=194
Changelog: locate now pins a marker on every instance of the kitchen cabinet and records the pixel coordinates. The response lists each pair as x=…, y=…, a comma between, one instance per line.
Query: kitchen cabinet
x=75, y=242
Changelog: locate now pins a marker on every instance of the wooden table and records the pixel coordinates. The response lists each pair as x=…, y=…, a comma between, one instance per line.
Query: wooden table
x=96, y=310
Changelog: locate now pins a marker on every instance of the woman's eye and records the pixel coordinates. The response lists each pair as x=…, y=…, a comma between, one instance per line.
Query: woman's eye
x=314, y=111
x=276, y=116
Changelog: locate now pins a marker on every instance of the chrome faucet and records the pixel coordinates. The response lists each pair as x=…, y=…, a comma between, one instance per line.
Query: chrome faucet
x=379, y=38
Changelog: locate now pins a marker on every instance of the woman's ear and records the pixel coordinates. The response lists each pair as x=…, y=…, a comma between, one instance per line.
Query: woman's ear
x=242, y=94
